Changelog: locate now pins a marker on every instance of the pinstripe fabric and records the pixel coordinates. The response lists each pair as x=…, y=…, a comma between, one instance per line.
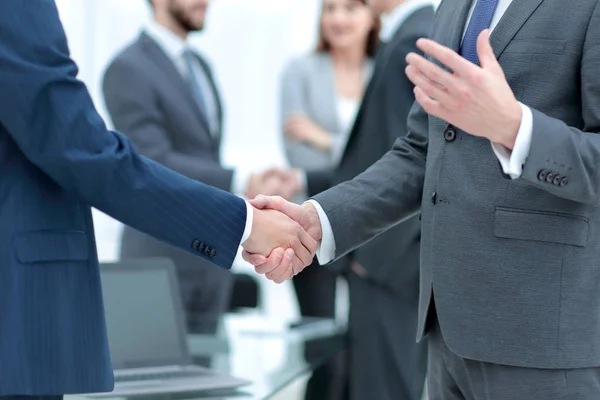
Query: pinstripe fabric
x=56, y=160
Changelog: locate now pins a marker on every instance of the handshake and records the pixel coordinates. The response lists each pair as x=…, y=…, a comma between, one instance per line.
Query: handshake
x=286, y=183
x=284, y=237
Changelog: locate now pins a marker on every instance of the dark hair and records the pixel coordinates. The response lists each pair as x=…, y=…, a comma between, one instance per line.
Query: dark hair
x=372, y=37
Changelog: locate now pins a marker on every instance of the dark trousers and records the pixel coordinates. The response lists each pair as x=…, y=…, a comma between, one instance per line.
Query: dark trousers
x=55, y=397
x=315, y=291
x=451, y=377
x=386, y=362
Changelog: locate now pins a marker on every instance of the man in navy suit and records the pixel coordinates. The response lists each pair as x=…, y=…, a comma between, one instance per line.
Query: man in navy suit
x=57, y=159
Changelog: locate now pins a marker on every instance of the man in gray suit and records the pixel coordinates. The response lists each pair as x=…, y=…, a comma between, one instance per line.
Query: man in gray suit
x=502, y=160
x=162, y=95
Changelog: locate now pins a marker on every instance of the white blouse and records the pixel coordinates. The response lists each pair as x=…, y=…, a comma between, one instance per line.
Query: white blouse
x=347, y=108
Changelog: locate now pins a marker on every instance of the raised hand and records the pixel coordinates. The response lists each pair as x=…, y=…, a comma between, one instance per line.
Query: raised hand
x=476, y=99
x=305, y=215
x=273, y=230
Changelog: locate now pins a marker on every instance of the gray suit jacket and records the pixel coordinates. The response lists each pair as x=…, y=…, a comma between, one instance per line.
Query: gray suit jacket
x=308, y=88
x=150, y=102
x=513, y=264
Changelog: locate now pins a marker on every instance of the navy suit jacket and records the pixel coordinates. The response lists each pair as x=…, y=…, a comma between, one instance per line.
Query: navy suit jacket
x=57, y=159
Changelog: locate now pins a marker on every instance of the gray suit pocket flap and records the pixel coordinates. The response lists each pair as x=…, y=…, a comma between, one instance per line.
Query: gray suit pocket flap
x=541, y=226
x=47, y=246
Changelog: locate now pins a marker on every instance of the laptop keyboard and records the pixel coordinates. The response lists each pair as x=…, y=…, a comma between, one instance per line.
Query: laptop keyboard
x=160, y=376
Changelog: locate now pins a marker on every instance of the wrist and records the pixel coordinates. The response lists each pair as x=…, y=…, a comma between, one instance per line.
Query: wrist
x=324, y=142
x=511, y=127
x=314, y=220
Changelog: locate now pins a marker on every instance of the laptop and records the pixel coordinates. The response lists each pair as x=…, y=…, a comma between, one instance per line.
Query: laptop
x=147, y=335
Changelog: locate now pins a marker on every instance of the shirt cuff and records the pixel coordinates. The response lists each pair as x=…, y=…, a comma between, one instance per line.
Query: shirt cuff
x=326, y=250
x=249, y=219
x=239, y=182
x=513, y=161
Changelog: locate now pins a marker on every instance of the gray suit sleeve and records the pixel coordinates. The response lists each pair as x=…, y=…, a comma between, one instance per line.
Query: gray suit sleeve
x=382, y=196
x=134, y=110
x=571, y=154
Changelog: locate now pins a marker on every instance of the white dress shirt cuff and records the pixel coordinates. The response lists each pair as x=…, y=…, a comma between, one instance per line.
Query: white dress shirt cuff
x=513, y=161
x=249, y=218
x=239, y=182
x=326, y=250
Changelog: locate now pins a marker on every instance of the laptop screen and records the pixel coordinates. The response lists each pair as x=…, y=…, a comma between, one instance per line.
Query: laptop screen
x=142, y=316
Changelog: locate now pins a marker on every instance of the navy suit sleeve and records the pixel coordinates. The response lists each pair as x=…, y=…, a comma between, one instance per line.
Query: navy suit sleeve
x=50, y=115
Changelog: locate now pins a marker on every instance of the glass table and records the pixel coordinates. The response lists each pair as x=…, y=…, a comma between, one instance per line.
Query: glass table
x=268, y=353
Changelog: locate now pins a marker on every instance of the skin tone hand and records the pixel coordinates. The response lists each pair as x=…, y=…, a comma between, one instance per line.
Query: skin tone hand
x=305, y=215
x=476, y=99
x=302, y=129
x=273, y=230
x=274, y=181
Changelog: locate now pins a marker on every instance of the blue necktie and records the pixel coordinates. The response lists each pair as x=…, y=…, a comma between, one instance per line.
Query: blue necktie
x=189, y=58
x=480, y=20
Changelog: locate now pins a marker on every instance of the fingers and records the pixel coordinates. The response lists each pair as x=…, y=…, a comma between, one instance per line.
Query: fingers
x=430, y=105
x=271, y=202
x=278, y=203
x=429, y=87
x=446, y=56
x=432, y=71
x=275, y=259
x=486, y=55
x=254, y=259
x=285, y=269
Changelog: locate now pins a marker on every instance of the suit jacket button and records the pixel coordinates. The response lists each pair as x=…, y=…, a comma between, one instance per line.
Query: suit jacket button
x=557, y=179
x=213, y=253
x=450, y=134
x=550, y=177
x=564, y=181
x=195, y=244
x=542, y=175
x=433, y=198
x=202, y=247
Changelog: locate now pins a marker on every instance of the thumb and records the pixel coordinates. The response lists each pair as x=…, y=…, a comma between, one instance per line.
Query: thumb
x=269, y=202
x=486, y=55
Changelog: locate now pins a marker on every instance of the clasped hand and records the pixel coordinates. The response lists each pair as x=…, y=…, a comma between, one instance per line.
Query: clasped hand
x=284, y=237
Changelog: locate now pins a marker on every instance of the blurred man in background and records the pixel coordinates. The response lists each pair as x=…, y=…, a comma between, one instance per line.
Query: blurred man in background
x=162, y=95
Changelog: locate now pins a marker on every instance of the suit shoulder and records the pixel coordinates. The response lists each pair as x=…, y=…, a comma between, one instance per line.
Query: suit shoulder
x=127, y=65
x=130, y=57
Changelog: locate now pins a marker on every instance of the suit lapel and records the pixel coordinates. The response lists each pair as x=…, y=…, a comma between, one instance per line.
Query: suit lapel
x=214, y=91
x=171, y=74
x=457, y=23
x=513, y=19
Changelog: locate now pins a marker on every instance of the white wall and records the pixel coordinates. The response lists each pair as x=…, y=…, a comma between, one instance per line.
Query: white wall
x=247, y=42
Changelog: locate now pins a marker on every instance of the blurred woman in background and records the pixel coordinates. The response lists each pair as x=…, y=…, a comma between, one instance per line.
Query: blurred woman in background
x=321, y=94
